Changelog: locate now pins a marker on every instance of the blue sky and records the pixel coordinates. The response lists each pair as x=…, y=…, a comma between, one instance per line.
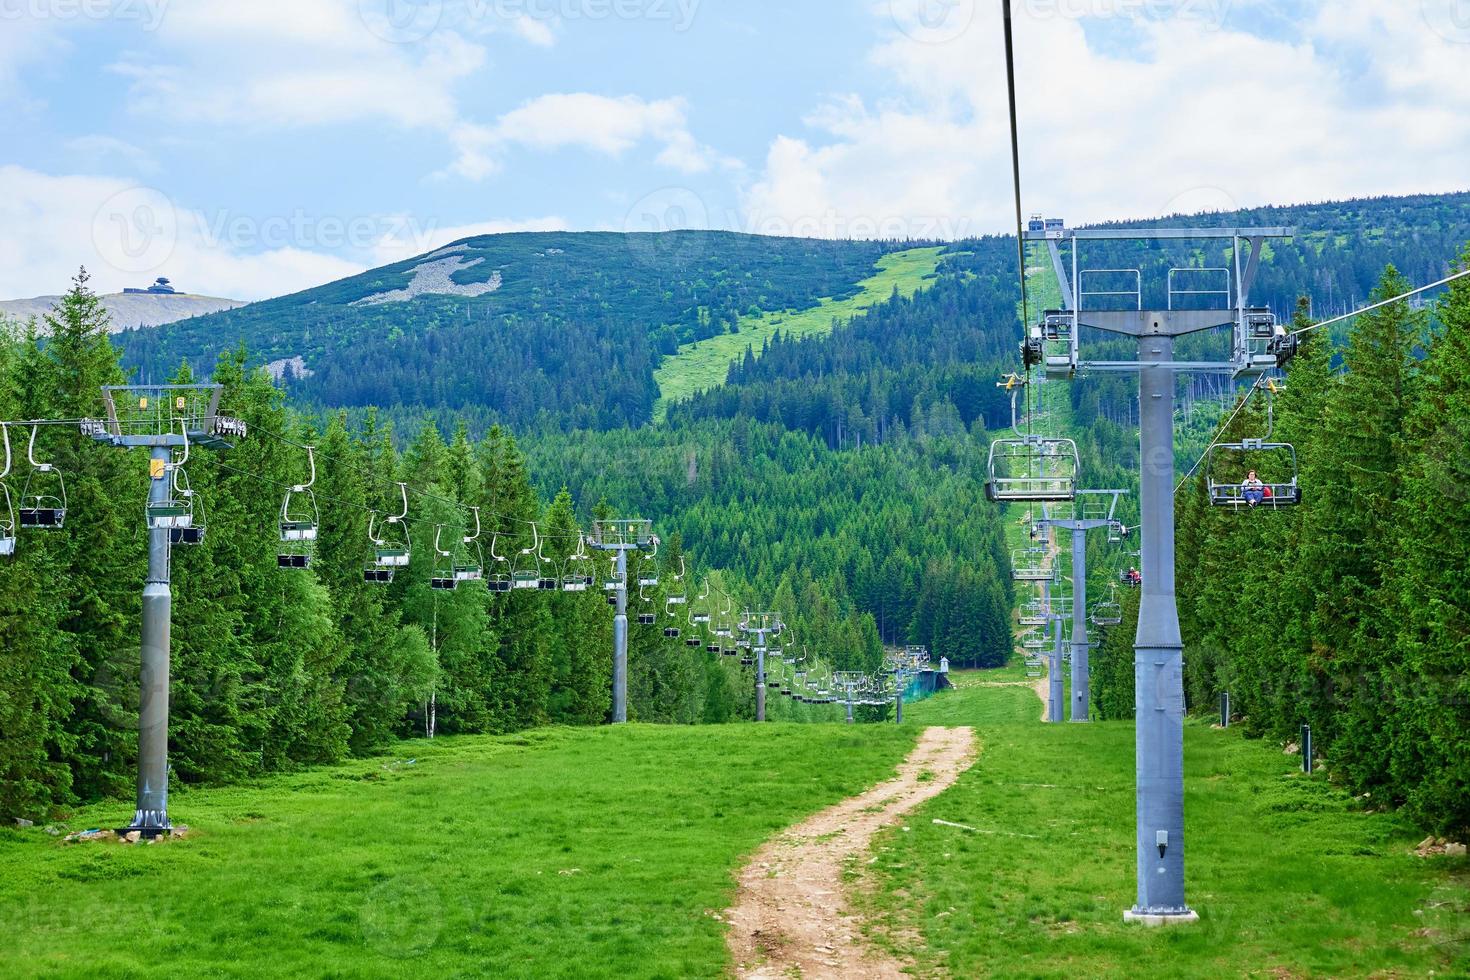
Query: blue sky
x=248, y=149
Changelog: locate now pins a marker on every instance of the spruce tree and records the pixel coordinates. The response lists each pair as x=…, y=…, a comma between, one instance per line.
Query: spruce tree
x=1347, y=532
x=1428, y=589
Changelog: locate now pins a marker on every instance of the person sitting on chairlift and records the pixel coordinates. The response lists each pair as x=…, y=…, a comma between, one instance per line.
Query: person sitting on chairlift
x=1135, y=577
x=1253, y=490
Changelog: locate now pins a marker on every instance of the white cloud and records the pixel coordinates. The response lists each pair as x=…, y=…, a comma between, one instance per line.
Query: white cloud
x=23, y=42
x=305, y=63
x=1360, y=99
x=602, y=124
x=126, y=235
x=309, y=63
x=534, y=30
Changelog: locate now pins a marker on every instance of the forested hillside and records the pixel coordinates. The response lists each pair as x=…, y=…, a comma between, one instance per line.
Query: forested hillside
x=274, y=668
x=892, y=529
x=548, y=327
x=566, y=330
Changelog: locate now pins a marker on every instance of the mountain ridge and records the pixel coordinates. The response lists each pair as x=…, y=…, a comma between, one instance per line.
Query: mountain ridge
x=131, y=311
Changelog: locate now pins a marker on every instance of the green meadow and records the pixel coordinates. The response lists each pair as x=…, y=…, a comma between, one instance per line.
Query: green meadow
x=612, y=852
x=1290, y=876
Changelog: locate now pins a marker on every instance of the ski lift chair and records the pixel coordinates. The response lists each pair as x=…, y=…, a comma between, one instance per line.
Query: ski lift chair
x=1265, y=344
x=1032, y=565
x=614, y=582
x=470, y=562
x=388, y=556
x=1059, y=359
x=1235, y=459
x=525, y=573
x=499, y=580
x=443, y=578
x=544, y=581
x=7, y=525
x=41, y=506
x=574, y=579
x=192, y=532
x=299, y=521
x=1107, y=613
x=1032, y=469
x=646, y=615
x=647, y=574
x=677, y=596
x=7, y=517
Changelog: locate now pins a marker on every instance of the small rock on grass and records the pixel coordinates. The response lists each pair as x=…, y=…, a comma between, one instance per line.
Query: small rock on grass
x=1437, y=846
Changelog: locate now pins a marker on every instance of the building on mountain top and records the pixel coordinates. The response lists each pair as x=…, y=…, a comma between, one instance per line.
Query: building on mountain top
x=160, y=287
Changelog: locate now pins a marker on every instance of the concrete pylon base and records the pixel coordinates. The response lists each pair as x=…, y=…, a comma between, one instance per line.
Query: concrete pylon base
x=1161, y=918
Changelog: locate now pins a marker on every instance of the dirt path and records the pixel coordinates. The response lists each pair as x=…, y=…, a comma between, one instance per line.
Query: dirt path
x=790, y=918
x=1042, y=686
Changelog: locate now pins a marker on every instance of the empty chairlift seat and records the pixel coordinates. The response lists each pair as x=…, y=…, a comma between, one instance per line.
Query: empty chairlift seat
x=1032, y=469
x=43, y=498
x=1032, y=565
x=1107, y=614
x=299, y=521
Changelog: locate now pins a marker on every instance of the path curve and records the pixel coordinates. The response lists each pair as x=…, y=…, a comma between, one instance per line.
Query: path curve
x=790, y=918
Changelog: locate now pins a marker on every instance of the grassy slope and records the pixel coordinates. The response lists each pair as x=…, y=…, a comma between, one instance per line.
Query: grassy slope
x=704, y=365
x=572, y=853
x=576, y=853
x=971, y=703
x=1289, y=878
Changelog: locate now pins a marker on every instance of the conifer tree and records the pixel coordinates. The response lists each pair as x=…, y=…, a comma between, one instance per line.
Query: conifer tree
x=1347, y=534
x=1428, y=589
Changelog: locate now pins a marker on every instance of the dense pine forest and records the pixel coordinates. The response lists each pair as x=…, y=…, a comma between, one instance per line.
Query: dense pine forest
x=834, y=477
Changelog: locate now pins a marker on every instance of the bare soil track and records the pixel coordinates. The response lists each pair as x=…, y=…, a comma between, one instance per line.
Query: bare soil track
x=790, y=918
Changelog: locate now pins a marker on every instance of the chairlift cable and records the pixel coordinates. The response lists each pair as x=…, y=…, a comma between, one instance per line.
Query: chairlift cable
x=1016, y=173
x=1296, y=333
x=1216, y=441
x=1378, y=306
